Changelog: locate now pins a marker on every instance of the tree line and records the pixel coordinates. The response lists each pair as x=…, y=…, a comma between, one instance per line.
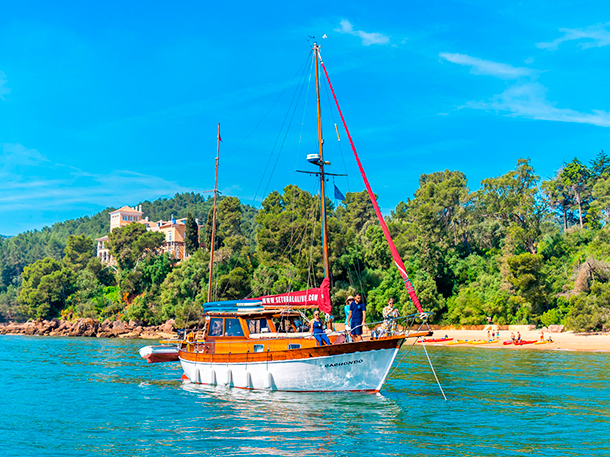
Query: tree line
x=519, y=250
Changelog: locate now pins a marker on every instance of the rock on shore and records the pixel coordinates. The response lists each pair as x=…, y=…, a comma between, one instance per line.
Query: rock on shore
x=87, y=327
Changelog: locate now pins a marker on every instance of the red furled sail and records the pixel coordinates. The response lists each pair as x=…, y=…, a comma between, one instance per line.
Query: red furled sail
x=384, y=227
x=309, y=298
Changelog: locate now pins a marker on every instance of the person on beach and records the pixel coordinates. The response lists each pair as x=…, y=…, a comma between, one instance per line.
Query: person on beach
x=317, y=330
x=512, y=336
x=357, y=317
x=518, y=336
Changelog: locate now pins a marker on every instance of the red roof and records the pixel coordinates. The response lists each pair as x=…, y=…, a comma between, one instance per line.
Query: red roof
x=127, y=209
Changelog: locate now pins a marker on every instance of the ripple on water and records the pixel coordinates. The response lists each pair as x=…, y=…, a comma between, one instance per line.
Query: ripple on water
x=77, y=396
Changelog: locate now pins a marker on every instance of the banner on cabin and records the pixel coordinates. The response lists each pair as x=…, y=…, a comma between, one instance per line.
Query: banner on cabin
x=309, y=298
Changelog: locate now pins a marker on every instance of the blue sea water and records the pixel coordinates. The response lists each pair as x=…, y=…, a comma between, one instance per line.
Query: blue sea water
x=97, y=397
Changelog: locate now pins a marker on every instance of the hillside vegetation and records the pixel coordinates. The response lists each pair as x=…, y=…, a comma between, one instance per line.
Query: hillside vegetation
x=518, y=250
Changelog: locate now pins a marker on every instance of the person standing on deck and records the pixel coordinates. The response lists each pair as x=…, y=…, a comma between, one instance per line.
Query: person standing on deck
x=348, y=303
x=357, y=317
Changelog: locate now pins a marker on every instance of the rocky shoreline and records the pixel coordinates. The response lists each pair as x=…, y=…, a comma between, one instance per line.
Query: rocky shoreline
x=91, y=328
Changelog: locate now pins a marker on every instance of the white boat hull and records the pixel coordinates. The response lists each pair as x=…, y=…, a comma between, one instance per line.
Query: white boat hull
x=355, y=371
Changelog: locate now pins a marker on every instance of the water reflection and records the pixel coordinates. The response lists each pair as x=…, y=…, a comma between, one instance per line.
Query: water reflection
x=293, y=419
x=97, y=397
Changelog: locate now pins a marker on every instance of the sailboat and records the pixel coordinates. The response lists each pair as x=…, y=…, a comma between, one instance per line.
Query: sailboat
x=262, y=343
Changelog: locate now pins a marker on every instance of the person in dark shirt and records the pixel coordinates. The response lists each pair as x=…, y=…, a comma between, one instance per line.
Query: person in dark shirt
x=357, y=317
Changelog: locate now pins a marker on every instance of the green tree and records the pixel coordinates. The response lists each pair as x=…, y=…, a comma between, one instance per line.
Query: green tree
x=131, y=243
x=558, y=197
x=526, y=277
x=512, y=199
x=601, y=193
x=575, y=177
x=78, y=252
x=600, y=166
x=358, y=212
x=191, y=235
x=186, y=283
x=46, y=286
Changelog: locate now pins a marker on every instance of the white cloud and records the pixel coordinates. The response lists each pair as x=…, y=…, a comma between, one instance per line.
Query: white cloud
x=592, y=36
x=3, y=90
x=487, y=67
x=525, y=97
x=529, y=100
x=28, y=180
x=368, y=38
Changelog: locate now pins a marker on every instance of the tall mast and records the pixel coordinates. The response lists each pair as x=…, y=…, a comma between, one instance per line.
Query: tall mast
x=316, y=50
x=214, y=218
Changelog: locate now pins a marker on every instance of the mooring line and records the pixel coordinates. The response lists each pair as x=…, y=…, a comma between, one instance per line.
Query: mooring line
x=434, y=372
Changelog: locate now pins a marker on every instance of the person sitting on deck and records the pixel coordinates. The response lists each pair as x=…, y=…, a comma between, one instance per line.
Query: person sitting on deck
x=317, y=329
x=390, y=313
x=357, y=316
x=389, y=325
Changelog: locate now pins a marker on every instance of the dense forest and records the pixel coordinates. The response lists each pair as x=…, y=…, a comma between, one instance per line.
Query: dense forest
x=518, y=250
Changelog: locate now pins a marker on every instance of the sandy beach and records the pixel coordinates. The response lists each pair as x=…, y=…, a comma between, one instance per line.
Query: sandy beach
x=566, y=341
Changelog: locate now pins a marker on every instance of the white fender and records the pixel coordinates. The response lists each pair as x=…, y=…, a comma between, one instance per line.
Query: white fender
x=249, y=381
x=269, y=382
x=228, y=378
x=198, y=375
x=212, y=378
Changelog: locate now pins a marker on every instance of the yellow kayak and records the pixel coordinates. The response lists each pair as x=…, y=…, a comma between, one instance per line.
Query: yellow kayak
x=458, y=342
x=544, y=342
x=483, y=341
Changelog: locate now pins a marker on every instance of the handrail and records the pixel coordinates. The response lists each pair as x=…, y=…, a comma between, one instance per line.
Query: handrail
x=390, y=324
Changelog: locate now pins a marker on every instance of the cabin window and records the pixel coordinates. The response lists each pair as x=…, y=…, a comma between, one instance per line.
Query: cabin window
x=257, y=325
x=286, y=325
x=215, y=327
x=294, y=346
x=300, y=325
x=259, y=348
x=233, y=327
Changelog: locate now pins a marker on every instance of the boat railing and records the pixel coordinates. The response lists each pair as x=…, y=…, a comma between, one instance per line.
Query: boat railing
x=408, y=325
x=394, y=326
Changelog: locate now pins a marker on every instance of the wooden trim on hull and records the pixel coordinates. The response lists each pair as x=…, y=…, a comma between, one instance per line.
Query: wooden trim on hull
x=393, y=342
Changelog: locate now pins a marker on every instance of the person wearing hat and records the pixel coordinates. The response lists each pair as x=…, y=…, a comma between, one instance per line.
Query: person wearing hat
x=348, y=303
x=357, y=317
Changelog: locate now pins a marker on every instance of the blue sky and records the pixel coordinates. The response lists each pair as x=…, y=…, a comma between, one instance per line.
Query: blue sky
x=117, y=102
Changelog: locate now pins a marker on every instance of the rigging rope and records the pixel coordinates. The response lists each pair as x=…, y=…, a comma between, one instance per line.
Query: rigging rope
x=229, y=156
x=300, y=85
x=433, y=371
x=397, y=260
x=332, y=115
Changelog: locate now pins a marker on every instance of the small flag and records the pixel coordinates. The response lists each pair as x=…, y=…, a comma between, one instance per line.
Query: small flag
x=219, y=139
x=338, y=194
x=173, y=220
